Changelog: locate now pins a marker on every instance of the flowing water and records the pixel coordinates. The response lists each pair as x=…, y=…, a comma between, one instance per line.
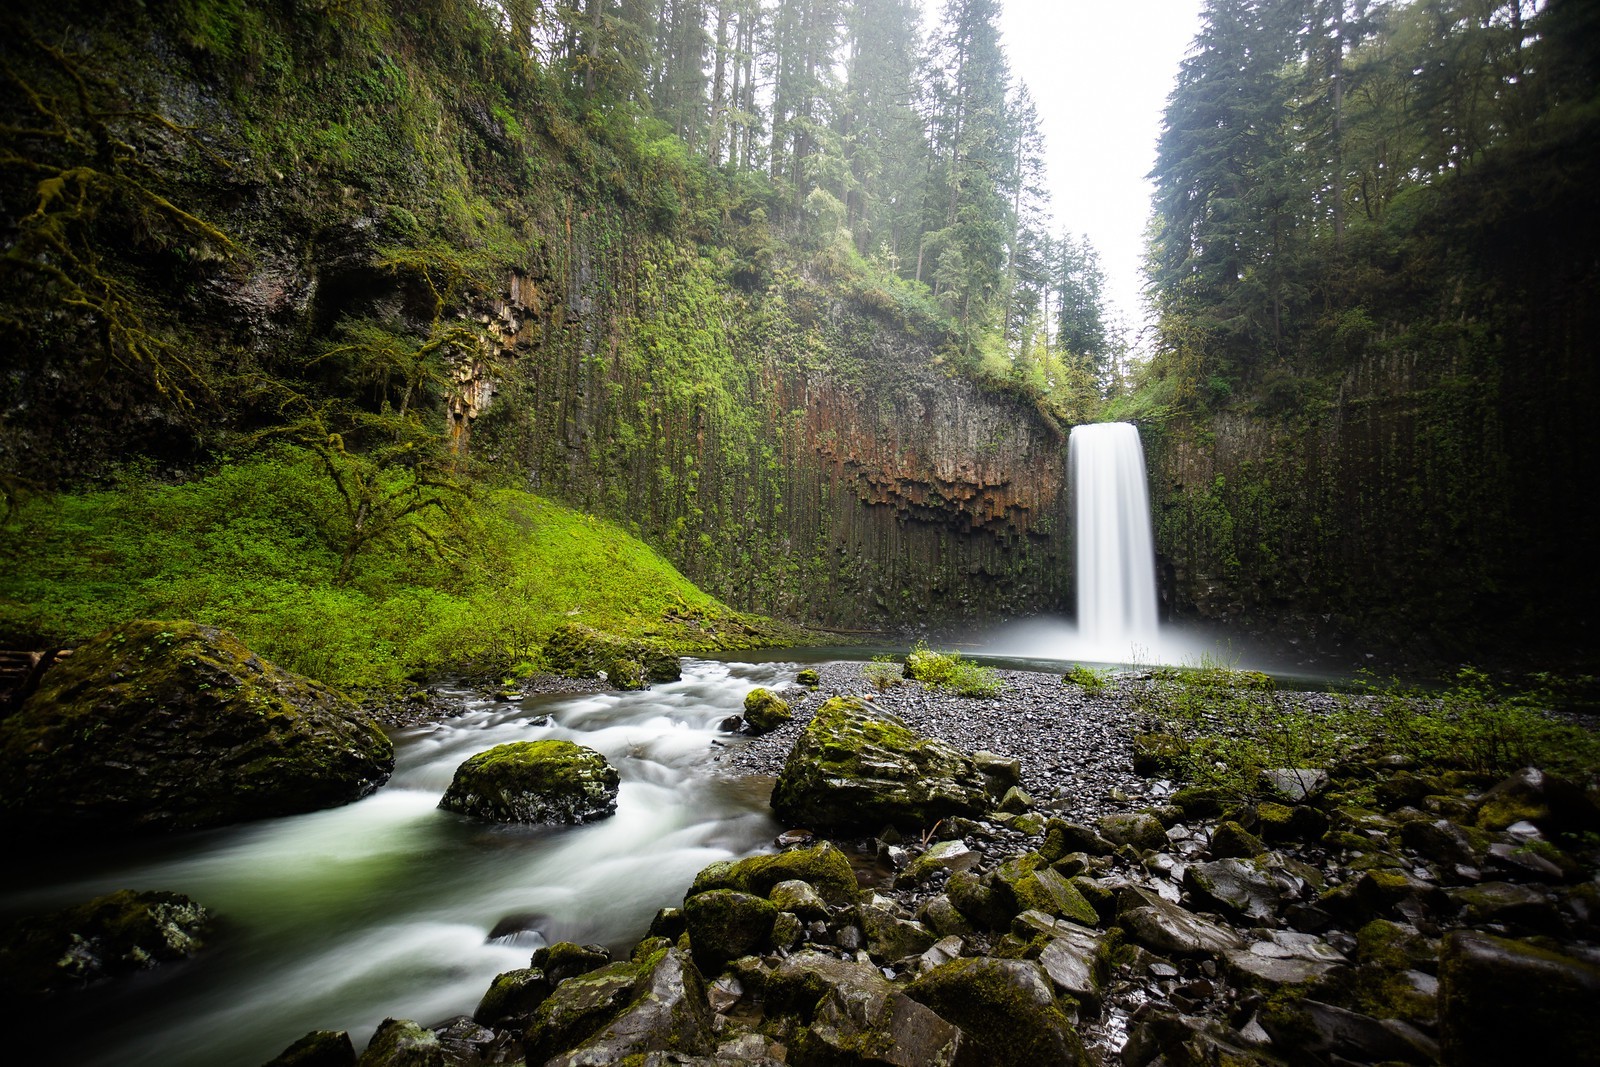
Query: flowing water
x=336, y=919
x=1116, y=560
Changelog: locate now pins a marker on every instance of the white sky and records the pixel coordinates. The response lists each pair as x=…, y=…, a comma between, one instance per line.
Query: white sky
x=1100, y=72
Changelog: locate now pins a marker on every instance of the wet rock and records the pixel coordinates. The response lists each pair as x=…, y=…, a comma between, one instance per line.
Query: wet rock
x=943, y=918
x=1062, y=838
x=465, y=1042
x=822, y=866
x=1300, y=822
x=564, y=960
x=1166, y=928
x=765, y=711
x=1005, y=1009
x=1314, y=1030
x=403, y=1043
x=1443, y=841
x=809, y=678
x=621, y=1010
x=1170, y=1037
x=942, y=856
x=878, y=1026
x=889, y=937
x=1001, y=772
x=161, y=726
x=795, y=896
x=1529, y=907
x=319, y=1048
x=1201, y=802
x=1159, y=755
x=107, y=937
x=723, y=994
x=1505, y=1001
x=1374, y=894
x=1015, y=802
x=1232, y=841
x=1075, y=957
x=1295, y=784
x=549, y=781
x=1282, y=957
x=668, y=923
x=725, y=924
x=1533, y=859
x=512, y=999
x=1237, y=886
x=1139, y=829
x=1553, y=804
x=854, y=767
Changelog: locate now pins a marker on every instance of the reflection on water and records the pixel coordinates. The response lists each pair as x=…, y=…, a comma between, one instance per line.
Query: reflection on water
x=336, y=919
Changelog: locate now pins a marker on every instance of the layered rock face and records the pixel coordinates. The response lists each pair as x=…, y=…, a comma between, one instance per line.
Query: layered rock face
x=154, y=726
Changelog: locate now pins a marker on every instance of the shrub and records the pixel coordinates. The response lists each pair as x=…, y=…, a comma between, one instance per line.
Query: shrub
x=949, y=671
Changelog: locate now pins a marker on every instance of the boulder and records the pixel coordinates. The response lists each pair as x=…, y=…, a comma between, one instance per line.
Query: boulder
x=319, y=1048
x=109, y=936
x=512, y=999
x=725, y=924
x=1023, y=883
x=1168, y=929
x=581, y=651
x=1237, y=886
x=854, y=1026
x=1313, y=1031
x=857, y=768
x=565, y=959
x=1062, y=838
x=822, y=866
x=547, y=781
x=1294, y=784
x=798, y=898
x=1281, y=958
x=1232, y=841
x=158, y=726
x=942, y=856
x=1504, y=1001
x=624, y=1009
x=1139, y=829
x=1006, y=1010
x=1075, y=957
x=809, y=678
x=889, y=936
x=765, y=711
x=403, y=1043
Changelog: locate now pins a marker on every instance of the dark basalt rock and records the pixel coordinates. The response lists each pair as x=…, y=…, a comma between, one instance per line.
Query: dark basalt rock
x=632, y=1008
x=547, y=781
x=857, y=768
x=109, y=936
x=512, y=999
x=1006, y=1010
x=403, y=1043
x=157, y=726
x=822, y=866
x=1504, y=1001
x=725, y=924
x=319, y=1048
x=765, y=711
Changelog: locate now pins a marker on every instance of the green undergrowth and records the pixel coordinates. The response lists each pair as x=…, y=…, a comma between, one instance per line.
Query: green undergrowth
x=254, y=546
x=1222, y=727
x=948, y=670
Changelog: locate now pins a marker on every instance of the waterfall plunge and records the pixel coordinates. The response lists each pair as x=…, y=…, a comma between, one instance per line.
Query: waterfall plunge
x=1116, y=568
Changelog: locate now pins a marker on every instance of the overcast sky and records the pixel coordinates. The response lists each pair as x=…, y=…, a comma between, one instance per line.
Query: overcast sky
x=1100, y=73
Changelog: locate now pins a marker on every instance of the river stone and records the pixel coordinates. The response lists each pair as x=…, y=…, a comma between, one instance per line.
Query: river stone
x=107, y=937
x=1312, y=1031
x=547, y=781
x=1504, y=1001
x=1139, y=829
x=1166, y=928
x=890, y=937
x=765, y=711
x=1006, y=1010
x=943, y=918
x=725, y=924
x=625, y=1009
x=942, y=856
x=319, y=1048
x=1553, y=804
x=512, y=999
x=1238, y=886
x=857, y=768
x=564, y=960
x=853, y=1026
x=1074, y=957
x=1232, y=841
x=1295, y=784
x=157, y=726
x=403, y=1043
x=793, y=895
x=1282, y=957
x=822, y=866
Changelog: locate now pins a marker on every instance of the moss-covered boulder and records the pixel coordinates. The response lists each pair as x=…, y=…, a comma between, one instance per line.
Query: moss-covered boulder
x=765, y=711
x=547, y=781
x=629, y=1008
x=512, y=999
x=1504, y=1001
x=109, y=936
x=854, y=767
x=155, y=726
x=583, y=652
x=725, y=924
x=319, y=1048
x=403, y=1043
x=822, y=866
x=1006, y=1010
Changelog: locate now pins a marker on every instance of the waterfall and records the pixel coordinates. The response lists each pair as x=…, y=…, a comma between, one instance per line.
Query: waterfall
x=1116, y=569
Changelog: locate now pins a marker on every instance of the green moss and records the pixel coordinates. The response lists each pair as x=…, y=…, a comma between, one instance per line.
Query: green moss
x=822, y=866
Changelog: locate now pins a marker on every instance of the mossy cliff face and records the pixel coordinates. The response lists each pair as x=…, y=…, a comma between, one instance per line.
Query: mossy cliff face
x=172, y=726
x=626, y=336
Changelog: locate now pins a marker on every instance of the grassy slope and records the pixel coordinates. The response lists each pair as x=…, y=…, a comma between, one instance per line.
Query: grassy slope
x=249, y=546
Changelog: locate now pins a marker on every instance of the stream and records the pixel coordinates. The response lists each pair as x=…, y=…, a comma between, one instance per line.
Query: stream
x=339, y=918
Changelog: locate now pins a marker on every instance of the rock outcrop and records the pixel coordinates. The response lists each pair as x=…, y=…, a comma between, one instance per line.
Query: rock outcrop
x=549, y=781
x=855, y=768
x=154, y=726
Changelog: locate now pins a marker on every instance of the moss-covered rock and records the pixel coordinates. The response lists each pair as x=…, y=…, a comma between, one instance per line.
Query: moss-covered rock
x=822, y=866
x=154, y=726
x=765, y=711
x=1159, y=755
x=403, y=1043
x=1139, y=829
x=1504, y=1001
x=109, y=936
x=725, y=924
x=1006, y=1010
x=625, y=1009
x=1284, y=822
x=1232, y=841
x=566, y=959
x=319, y=1048
x=512, y=999
x=549, y=781
x=583, y=652
x=854, y=767
x=809, y=678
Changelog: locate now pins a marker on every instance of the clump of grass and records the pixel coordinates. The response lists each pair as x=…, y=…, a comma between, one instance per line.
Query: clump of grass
x=1088, y=679
x=883, y=672
x=949, y=671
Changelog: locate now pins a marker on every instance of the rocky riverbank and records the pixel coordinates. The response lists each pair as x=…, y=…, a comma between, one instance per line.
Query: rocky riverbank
x=1066, y=909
